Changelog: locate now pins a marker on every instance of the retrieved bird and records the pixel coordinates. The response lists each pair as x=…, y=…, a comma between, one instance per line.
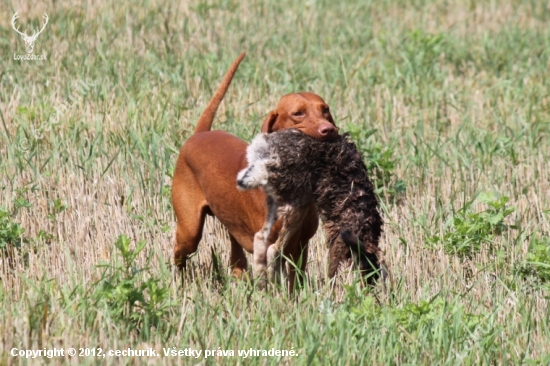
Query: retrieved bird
x=294, y=170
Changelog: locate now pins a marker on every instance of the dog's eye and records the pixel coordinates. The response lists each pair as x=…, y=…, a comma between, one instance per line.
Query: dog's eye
x=326, y=110
x=298, y=114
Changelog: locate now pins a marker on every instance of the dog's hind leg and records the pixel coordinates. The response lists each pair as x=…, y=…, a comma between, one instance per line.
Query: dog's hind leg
x=188, y=235
x=237, y=261
x=190, y=208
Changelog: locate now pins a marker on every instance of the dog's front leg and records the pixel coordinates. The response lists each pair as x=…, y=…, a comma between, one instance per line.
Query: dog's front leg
x=292, y=217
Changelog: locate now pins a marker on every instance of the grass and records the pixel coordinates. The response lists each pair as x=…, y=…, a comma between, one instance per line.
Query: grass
x=448, y=101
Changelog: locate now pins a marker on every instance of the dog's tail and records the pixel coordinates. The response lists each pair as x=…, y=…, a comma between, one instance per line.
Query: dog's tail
x=207, y=117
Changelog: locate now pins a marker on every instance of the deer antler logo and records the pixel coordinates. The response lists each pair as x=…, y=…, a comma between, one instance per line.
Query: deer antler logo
x=29, y=40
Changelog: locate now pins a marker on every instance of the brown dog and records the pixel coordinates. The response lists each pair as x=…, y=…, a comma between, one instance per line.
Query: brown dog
x=205, y=180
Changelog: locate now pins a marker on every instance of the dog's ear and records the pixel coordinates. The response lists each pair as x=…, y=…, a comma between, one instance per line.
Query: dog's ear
x=267, y=126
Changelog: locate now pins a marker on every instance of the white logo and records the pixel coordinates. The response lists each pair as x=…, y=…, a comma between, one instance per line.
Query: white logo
x=29, y=40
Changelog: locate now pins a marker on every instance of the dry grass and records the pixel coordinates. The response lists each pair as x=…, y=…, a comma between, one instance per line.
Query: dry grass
x=457, y=92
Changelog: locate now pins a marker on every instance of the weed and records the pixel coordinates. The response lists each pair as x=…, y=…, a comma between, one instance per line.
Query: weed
x=20, y=201
x=537, y=263
x=539, y=257
x=380, y=162
x=10, y=232
x=422, y=50
x=56, y=207
x=468, y=231
x=139, y=301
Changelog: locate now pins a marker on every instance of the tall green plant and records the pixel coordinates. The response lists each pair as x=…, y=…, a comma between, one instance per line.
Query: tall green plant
x=134, y=298
x=467, y=230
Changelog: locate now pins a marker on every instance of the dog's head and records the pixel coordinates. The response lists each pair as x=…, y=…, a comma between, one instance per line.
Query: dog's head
x=306, y=112
x=367, y=260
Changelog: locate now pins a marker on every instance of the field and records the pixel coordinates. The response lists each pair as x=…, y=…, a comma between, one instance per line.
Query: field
x=448, y=100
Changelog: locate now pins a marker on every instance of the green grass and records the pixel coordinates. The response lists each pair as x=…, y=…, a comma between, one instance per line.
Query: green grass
x=448, y=101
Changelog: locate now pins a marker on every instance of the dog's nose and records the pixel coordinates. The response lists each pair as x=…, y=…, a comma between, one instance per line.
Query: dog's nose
x=327, y=130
